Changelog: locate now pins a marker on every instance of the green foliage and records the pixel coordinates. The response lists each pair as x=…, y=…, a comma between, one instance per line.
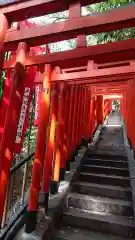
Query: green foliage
x=113, y=35
x=30, y=134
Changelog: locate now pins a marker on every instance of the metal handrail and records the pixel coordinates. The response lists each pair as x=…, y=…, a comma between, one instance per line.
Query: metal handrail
x=20, y=164
x=17, y=197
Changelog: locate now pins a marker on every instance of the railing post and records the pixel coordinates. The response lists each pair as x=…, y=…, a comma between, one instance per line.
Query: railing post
x=11, y=122
x=40, y=151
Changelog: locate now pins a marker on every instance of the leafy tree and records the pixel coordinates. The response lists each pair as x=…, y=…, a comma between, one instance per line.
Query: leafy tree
x=113, y=35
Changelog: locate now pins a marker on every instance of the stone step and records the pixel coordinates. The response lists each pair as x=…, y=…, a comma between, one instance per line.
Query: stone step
x=105, y=179
x=102, y=190
x=117, y=225
x=70, y=233
x=100, y=204
x=110, y=163
x=105, y=169
x=97, y=154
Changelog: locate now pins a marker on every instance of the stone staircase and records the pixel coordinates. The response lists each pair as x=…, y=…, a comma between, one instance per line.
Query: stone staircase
x=100, y=203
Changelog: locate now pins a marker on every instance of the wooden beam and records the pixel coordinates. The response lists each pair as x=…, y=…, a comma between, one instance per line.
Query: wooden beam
x=114, y=64
x=95, y=82
x=107, y=73
x=22, y=10
x=95, y=23
x=118, y=84
x=108, y=52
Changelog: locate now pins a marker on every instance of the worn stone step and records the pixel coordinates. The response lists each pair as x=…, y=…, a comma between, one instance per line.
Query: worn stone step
x=102, y=190
x=117, y=225
x=105, y=179
x=106, y=169
x=70, y=233
x=100, y=204
x=110, y=163
x=97, y=154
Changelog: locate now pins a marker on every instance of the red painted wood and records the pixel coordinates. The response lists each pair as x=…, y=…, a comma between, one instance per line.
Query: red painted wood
x=3, y=30
x=25, y=109
x=70, y=122
x=74, y=119
x=11, y=122
x=99, y=73
x=88, y=115
x=20, y=10
x=40, y=142
x=81, y=113
x=59, y=157
x=98, y=81
x=5, y=100
x=103, y=22
x=102, y=53
x=77, y=140
x=99, y=109
x=50, y=143
x=66, y=120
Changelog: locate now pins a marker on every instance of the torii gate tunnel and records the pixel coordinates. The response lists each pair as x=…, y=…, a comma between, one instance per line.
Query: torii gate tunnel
x=76, y=90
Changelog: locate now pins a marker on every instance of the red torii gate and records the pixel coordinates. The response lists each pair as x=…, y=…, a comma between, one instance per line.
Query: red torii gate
x=67, y=87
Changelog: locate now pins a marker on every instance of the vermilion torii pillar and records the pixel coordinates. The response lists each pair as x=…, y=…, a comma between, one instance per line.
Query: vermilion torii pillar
x=40, y=151
x=3, y=31
x=63, y=116
x=77, y=140
x=59, y=156
x=66, y=119
x=50, y=144
x=99, y=109
x=70, y=123
x=11, y=122
x=81, y=113
x=74, y=123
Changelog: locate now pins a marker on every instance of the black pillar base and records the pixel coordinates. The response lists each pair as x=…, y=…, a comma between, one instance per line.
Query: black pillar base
x=31, y=221
x=62, y=174
x=134, y=153
x=68, y=165
x=130, y=143
x=90, y=140
x=73, y=156
x=84, y=142
x=54, y=187
x=78, y=148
